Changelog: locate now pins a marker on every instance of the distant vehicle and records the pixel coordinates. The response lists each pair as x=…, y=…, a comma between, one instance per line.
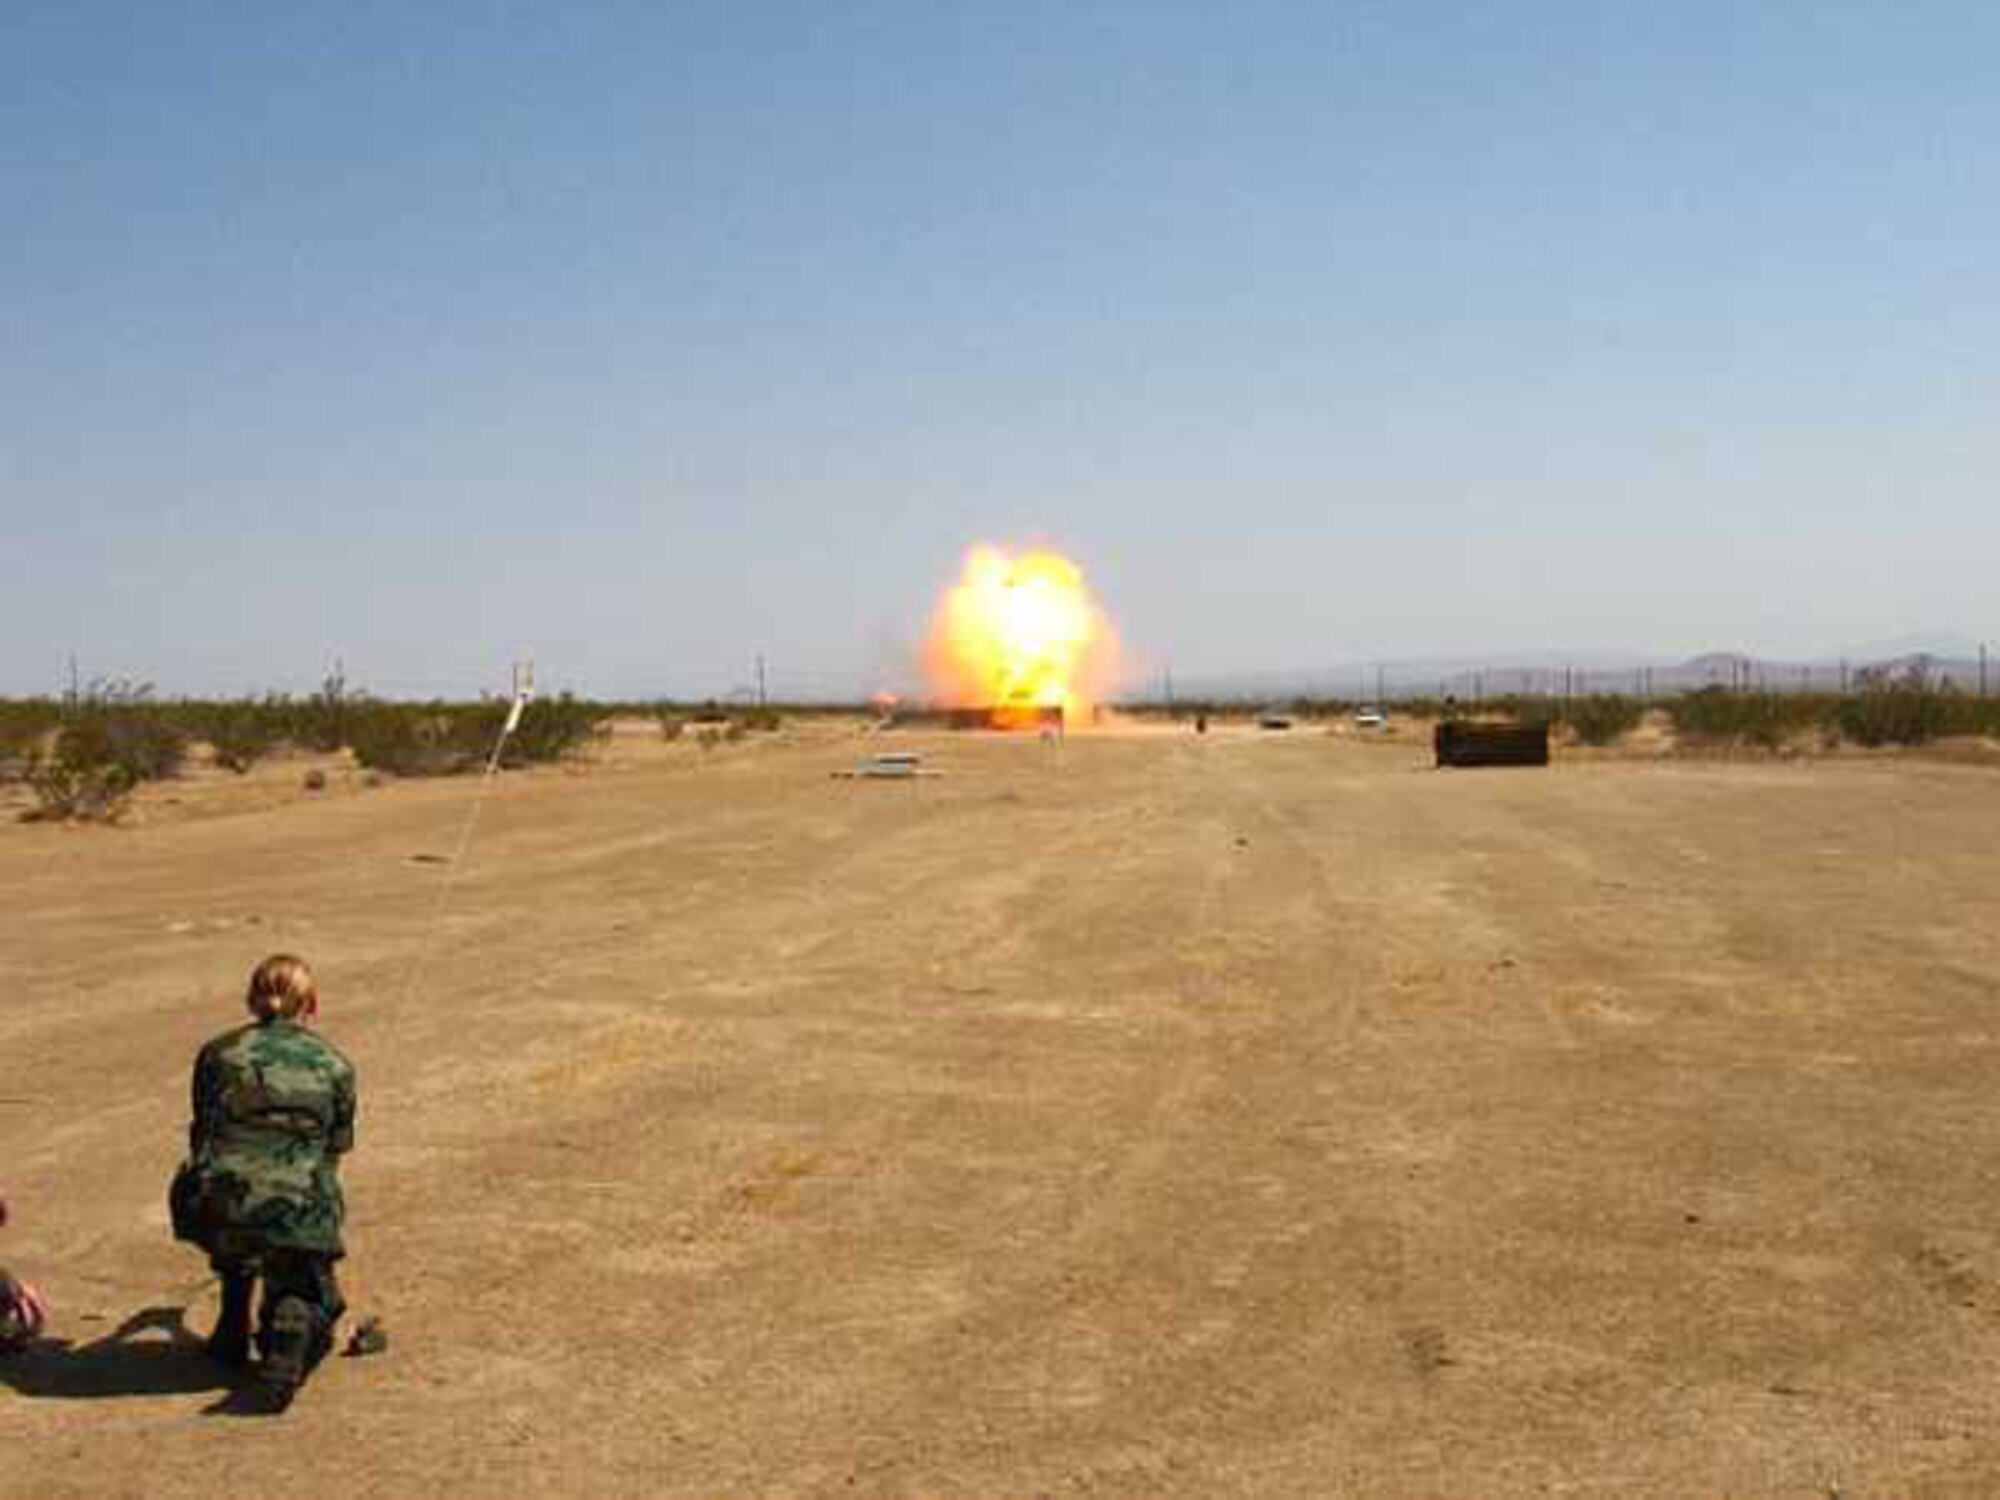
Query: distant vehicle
x=1272, y=718
x=1370, y=718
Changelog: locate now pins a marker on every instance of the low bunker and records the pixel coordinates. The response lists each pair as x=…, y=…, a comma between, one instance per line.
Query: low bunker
x=1459, y=743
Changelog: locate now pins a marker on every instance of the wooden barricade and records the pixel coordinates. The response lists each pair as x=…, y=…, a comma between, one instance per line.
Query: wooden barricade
x=1459, y=742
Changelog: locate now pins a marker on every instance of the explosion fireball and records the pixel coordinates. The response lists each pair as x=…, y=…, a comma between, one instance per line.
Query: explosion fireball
x=1020, y=633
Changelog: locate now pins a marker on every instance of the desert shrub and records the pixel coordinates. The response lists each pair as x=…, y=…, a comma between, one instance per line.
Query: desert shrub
x=1523, y=708
x=1600, y=718
x=240, y=734
x=1965, y=713
x=446, y=739
x=25, y=724
x=1714, y=715
x=759, y=720
x=119, y=724
x=108, y=743
x=321, y=721
x=550, y=729
x=65, y=791
x=672, y=725
x=421, y=739
x=735, y=730
x=1907, y=711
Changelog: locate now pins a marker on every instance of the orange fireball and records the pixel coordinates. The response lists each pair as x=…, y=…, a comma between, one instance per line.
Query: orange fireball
x=1019, y=632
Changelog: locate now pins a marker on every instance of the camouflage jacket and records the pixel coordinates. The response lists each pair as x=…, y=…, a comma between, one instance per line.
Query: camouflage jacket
x=273, y=1112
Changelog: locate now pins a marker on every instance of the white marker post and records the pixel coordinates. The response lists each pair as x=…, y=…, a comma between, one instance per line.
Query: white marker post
x=524, y=692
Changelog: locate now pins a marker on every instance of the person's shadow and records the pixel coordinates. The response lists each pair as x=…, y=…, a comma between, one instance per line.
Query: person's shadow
x=122, y=1363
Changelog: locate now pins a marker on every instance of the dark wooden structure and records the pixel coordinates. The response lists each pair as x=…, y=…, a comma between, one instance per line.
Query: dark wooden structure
x=993, y=716
x=1008, y=716
x=1459, y=742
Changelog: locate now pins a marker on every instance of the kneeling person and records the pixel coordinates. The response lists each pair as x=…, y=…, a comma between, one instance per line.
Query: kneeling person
x=260, y=1190
x=22, y=1311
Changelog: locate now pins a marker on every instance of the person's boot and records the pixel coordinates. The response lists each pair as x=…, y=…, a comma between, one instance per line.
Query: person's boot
x=230, y=1343
x=288, y=1340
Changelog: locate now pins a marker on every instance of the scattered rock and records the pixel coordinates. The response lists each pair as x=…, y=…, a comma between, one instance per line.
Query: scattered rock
x=1427, y=1350
x=369, y=1337
x=315, y=781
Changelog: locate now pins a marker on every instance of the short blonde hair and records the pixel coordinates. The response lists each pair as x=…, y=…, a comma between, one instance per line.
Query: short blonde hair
x=281, y=988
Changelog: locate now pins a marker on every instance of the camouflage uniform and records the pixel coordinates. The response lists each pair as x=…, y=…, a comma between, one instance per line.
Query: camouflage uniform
x=273, y=1112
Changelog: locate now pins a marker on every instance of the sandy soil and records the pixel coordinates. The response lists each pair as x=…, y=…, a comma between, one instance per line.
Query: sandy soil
x=1246, y=1114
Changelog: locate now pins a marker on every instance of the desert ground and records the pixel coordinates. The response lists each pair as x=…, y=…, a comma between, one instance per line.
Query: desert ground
x=1260, y=1114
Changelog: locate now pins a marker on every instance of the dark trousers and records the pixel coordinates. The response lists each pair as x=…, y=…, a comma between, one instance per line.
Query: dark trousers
x=302, y=1303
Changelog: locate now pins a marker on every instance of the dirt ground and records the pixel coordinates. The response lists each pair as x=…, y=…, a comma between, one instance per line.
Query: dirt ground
x=1242, y=1114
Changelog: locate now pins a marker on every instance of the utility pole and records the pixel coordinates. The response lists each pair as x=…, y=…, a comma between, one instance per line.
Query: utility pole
x=1982, y=669
x=75, y=684
x=1168, y=687
x=1379, y=696
x=763, y=697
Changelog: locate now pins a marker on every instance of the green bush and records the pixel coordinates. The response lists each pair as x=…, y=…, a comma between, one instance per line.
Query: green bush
x=65, y=791
x=1600, y=718
x=1714, y=715
x=420, y=739
x=1904, y=712
x=1523, y=708
x=25, y=726
x=445, y=739
x=241, y=734
x=1967, y=714
x=550, y=729
x=108, y=743
x=321, y=721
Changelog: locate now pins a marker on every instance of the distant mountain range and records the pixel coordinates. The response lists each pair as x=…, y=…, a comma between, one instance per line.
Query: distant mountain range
x=1946, y=658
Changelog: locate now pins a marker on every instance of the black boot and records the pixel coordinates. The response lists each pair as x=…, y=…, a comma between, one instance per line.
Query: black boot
x=289, y=1340
x=230, y=1343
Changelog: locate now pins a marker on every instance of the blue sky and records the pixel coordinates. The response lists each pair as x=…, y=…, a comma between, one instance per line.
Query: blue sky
x=643, y=338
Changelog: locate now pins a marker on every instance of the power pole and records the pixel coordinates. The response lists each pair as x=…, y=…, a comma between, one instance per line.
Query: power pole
x=1982, y=669
x=763, y=697
x=75, y=684
x=1379, y=695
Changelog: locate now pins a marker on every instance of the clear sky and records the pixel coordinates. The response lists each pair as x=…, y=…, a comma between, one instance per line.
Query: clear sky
x=645, y=337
